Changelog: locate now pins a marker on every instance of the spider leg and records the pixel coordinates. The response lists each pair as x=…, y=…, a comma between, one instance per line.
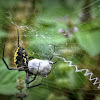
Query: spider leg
x=18, y=37
x=27, y=85
x=30, y=57
x=28, y=82
x=6, y=63
x=56, y=61
x=27, y=76
x=27, y=79
x=51, y=58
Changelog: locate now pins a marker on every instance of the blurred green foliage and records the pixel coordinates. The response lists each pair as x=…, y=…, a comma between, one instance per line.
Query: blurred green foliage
x=8, y=79
x=69, y=78
x=89, y=40
x=46, y=34
x=63, y=83
x=3, y=35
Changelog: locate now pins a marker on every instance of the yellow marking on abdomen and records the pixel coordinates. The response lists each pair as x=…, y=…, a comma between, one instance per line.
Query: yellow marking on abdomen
x=24, y=55
x=15, y=55
x=25, y=60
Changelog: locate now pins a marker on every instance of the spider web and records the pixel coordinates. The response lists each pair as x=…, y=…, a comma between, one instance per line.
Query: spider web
x=45, y=49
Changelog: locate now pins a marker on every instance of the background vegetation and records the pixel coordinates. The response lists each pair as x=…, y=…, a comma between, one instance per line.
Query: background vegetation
x=72, y=26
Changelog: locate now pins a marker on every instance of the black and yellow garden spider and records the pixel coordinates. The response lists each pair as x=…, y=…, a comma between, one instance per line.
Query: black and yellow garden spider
x=33, y=67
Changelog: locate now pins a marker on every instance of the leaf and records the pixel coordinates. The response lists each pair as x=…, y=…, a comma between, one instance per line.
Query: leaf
x=3, y=34
x=76, y=79
x=89, y=41
x=8, y=79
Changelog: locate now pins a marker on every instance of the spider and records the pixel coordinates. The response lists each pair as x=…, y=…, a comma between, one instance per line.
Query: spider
x=33, y=67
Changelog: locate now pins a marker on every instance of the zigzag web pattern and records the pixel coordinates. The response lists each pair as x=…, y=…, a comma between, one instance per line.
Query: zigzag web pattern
x=87, y=72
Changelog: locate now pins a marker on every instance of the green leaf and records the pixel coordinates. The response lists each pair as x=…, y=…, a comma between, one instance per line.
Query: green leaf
x=76, y=79
x=8, y=79
x=3, y=34
x=89, y=41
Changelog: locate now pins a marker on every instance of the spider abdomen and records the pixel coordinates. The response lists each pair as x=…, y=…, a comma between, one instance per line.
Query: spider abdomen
x=41, y=67
x=20, y=57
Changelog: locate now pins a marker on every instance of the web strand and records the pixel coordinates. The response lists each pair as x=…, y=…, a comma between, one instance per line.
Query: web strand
x=87, y=72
